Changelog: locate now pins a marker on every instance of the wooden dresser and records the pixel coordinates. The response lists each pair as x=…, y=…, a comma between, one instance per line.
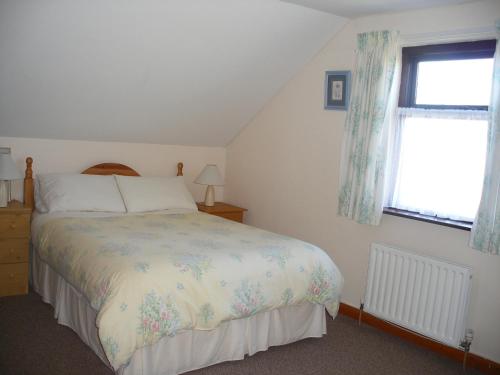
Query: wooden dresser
x=14, y=249
x=224, y=210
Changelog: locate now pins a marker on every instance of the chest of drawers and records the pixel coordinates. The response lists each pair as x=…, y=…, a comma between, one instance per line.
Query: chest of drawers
x=14, y=249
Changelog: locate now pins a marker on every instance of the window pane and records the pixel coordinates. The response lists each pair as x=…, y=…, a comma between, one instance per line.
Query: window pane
x=454, y=82
x=441, y=167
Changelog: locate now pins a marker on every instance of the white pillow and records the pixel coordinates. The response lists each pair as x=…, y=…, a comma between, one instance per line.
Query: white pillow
x=39, y=204
x=142, y=194
x=79, y=192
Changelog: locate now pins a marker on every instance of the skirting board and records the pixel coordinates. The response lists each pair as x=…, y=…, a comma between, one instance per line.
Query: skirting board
x=473, y=360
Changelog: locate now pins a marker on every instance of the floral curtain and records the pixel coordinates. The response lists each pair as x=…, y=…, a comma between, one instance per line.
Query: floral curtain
x=485, y=234
x=367, y=127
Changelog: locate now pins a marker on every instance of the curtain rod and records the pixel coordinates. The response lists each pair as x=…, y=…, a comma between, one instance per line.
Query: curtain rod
x=470, y=34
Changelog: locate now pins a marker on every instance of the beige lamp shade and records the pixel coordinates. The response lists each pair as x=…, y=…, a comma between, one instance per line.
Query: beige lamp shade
x=8, y=169
x=210, y=175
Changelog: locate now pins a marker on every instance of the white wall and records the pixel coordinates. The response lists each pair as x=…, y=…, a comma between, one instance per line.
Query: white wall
x=284, y=168
x=54, y=156
x=189, y=72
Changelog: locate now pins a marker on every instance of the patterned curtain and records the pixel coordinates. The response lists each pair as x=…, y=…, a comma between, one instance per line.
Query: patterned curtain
x=366, y=131
x=485, y=234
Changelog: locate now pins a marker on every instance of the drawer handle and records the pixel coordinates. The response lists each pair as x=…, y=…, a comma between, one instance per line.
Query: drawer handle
x=11, y=275
x=12, y=251
x=12, y=226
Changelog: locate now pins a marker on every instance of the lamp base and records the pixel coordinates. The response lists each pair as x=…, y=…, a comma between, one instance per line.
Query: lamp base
x=4, y=194
x=210, y=196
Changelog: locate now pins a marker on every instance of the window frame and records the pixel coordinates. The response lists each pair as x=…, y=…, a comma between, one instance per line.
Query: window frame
x=457, y=224
x=411, y=56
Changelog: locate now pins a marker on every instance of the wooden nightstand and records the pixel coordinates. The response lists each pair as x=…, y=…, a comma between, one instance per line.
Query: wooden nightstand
x=14, y=249
x=224, y=210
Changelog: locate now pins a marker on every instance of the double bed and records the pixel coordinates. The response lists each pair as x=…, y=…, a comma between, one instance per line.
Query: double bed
x=174, y=290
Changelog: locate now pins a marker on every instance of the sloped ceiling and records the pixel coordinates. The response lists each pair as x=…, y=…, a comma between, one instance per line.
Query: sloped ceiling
x=188, y=72
x=357, y=8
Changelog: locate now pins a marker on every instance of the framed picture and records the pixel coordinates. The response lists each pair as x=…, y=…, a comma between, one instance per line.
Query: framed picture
x=337, y=89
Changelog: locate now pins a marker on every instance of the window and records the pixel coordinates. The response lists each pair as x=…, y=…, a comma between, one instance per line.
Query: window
x=440, y=139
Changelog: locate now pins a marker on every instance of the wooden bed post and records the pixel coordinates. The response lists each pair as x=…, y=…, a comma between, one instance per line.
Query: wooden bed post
x=179, y=169
x=29, y=192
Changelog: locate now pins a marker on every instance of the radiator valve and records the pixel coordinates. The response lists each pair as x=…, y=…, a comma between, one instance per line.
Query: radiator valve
x=467, y=341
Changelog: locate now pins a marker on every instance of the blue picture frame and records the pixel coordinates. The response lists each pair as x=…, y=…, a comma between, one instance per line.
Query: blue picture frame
x=337, y=89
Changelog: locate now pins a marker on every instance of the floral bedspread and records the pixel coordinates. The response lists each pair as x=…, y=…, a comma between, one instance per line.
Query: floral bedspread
x=152, y=275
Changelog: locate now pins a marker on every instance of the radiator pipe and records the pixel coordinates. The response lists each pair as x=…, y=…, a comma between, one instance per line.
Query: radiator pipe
x=466, y=351
x=469, y=335
x=361, y=307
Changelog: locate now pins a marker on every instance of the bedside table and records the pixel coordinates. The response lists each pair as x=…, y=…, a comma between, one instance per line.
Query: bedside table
x=227, y=211
x=14, y=249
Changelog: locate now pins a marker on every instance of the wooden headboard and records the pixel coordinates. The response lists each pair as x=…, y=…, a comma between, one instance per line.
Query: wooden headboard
x=99, y=169
x=111, y=168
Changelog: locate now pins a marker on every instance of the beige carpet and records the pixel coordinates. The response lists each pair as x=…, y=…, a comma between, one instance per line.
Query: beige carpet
x=31, y=342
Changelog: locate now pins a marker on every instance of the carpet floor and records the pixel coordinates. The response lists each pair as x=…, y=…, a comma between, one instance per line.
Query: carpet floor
x=31, y=342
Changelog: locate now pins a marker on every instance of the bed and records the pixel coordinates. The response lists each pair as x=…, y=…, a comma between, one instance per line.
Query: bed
x=170, y=291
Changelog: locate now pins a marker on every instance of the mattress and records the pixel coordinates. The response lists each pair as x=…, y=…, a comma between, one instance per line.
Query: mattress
x=171, y=354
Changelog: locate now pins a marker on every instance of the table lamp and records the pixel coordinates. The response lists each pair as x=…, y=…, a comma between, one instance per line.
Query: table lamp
x=211, y=177
x=8, y=172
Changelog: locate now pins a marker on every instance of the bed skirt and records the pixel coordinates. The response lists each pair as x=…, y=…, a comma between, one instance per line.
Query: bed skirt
x=188, y=349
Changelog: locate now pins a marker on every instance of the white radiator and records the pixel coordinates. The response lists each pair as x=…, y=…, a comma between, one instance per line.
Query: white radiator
x=423, y=294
